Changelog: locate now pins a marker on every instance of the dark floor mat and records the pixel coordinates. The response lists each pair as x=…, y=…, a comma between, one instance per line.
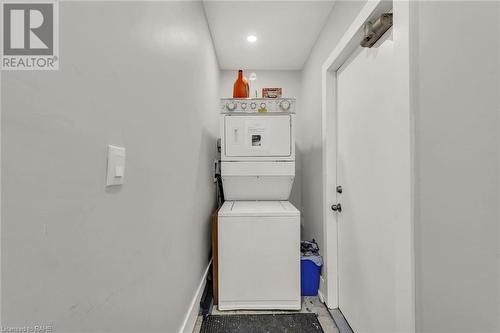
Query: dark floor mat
x=262, y=323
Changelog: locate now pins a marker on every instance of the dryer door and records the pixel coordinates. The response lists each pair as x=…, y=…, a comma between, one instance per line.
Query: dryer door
x=258, y=136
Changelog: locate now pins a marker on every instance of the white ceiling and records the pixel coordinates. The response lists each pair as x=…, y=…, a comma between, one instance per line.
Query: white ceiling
x=286, y=32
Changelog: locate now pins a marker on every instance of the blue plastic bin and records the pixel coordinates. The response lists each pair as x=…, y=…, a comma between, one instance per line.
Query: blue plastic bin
x=310, y=268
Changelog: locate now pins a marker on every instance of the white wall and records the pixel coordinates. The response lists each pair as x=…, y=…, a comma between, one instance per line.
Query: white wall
x=457, y=166
x=289, y=81
x=75, y=254
x=309, y=119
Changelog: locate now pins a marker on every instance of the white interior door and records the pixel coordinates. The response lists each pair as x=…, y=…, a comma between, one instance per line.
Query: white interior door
x=373, y=170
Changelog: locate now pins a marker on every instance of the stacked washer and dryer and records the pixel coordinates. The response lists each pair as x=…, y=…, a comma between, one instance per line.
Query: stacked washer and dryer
x=258, y=229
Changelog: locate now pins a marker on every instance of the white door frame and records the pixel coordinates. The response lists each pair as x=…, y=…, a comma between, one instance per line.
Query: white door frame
x=345, y=47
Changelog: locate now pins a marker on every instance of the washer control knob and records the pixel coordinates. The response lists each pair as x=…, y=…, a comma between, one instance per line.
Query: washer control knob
x=253, y=105
x=243, y=106
x=231, y=106
x=263, y=105
x=285, y=105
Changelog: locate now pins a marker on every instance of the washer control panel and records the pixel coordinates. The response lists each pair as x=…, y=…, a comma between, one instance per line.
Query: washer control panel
x=257, y=105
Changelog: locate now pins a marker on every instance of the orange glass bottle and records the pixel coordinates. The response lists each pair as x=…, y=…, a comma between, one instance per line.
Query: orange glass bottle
x=241, y=89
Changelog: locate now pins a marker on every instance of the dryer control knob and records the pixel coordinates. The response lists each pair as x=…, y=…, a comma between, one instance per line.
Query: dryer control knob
x=285, y=105
x=253, y=105
x=231, y=106
x=243, y=106
x=263, y=105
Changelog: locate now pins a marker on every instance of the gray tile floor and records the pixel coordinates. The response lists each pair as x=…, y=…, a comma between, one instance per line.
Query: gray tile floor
x=309, y=304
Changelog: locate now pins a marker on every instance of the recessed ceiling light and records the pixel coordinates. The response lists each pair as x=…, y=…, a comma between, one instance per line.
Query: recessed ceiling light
x=252, y=39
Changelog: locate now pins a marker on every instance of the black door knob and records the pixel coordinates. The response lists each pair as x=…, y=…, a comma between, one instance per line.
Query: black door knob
x=337, y=208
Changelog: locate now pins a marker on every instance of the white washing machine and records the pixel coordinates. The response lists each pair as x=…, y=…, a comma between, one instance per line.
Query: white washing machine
x=259, y=231
x=259, y=255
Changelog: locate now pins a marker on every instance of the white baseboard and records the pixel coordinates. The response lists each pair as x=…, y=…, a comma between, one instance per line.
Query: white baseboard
x=192, y=314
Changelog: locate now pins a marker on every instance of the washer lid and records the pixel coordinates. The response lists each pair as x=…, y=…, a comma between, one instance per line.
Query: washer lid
x=258, y=208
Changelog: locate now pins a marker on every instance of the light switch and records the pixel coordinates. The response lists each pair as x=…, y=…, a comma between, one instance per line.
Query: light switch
x=116, y=165
x=119, y=171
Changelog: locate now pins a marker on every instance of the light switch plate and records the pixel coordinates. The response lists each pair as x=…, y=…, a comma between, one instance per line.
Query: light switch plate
x=116, y=165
